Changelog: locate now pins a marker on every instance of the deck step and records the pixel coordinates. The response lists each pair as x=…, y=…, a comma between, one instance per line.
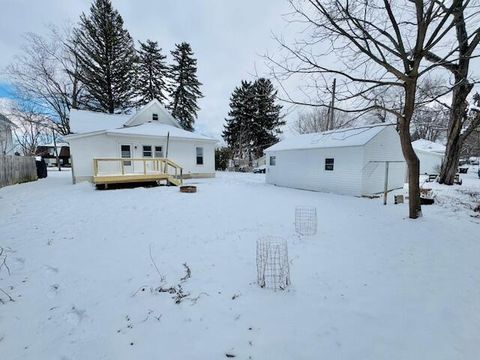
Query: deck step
x=174, y=181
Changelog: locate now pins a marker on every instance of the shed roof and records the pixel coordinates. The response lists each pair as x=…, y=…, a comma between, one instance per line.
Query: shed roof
x=330, y=139
x=429, y=146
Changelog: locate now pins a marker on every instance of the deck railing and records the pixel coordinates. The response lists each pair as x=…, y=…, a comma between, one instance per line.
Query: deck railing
x=136, y=166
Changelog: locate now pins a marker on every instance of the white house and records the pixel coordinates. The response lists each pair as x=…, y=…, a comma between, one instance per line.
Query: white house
x=146, y=137
x=430, y=154
x=348, y=161
x=7, y=146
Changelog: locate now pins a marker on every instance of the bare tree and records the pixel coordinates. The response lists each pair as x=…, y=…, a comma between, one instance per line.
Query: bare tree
x=31, y=128
x=318, y=120
x=456, y=59
x=380, y=47
x=471, y=133
x=430, y=123
x=44, y=73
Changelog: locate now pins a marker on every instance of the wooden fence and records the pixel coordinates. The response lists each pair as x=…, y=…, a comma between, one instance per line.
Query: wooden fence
x=17, y=169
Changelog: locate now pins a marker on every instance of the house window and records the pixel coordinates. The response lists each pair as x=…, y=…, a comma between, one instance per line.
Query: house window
x=273, y=160
x=126, y=153
x=329, y=162
x=158, y=152
x=147, y=151
x=155, y=117
x=199, y=156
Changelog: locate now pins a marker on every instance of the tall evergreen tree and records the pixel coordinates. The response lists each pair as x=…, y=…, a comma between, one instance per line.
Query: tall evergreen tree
x=267, y=116
x=254, y=119
x=106, y=57
x=152, y=74
x=237, y=131
x=186, y=87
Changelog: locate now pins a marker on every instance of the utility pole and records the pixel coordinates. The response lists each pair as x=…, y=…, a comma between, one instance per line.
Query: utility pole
x=331, y=113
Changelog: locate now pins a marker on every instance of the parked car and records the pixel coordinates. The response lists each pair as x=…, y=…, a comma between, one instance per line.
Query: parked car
x=260, y=169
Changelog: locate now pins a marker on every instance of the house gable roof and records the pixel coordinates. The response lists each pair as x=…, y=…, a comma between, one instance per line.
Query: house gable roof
x=84, y=121
x=330, y=139
x=145, y=115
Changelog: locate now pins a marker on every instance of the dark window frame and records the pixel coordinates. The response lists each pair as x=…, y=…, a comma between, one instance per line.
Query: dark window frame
x=199, y=157
x=329, y=164
x=155, y=151
x=155, y=117
x=272, y=161
x=147, y=151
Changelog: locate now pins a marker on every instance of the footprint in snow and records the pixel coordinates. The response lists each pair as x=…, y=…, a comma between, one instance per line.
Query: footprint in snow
x=50, y=270
x=75, y=316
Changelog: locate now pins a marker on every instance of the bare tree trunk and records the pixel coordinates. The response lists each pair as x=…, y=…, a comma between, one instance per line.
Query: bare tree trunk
x=454, y=135
x=413, y=164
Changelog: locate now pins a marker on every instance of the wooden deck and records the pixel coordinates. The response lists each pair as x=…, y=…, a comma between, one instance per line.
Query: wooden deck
x=130, y=170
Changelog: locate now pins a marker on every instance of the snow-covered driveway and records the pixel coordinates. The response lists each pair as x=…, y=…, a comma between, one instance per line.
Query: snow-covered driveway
x=371, y=284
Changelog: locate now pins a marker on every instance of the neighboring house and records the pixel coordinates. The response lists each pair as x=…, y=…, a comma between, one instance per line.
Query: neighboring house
x=347, y=161
x=47, y=152
x=430, y=154
x=141, y=137
x=6, y=136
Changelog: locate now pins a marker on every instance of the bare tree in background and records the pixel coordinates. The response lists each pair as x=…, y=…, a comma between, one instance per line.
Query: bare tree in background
x=31, y=128
x=380, y=46
x=471, y=138
x=430, y=123
x=318, y=120
x=44, y=73
x=456, y=59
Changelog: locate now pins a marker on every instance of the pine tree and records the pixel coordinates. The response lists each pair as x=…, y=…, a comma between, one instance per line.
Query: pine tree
x=254, y=119
x=267, y=116
x=238, y=132
x=152, y=74
x=106, y=56
x=186, y=87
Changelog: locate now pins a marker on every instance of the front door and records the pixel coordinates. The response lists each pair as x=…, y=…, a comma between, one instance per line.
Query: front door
x=126, y=153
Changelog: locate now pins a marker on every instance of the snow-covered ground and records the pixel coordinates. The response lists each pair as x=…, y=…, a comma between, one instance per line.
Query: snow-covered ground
x=372, y=284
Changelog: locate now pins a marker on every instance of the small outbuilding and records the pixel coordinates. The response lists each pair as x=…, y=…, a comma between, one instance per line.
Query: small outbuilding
x=430, y=154
x=353, y=161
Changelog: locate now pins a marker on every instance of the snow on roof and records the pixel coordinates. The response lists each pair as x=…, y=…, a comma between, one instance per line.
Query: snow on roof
x=83, y=121
x=427, y=145
x=335, y=138
x=157, y=129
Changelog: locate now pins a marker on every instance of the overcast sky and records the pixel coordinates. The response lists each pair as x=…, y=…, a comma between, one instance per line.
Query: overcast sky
x=228, y=37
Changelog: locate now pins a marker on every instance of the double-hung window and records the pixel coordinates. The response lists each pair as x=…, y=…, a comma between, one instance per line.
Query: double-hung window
x=158, y=152
x=199, y=153
x=147, y=150
x=329, y=163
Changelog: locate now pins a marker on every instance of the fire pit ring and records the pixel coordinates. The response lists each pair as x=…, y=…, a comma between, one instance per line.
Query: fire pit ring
x=188, y=189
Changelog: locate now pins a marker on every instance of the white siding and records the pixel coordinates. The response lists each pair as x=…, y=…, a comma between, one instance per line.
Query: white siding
x=384, y=146
x=430, y=162
x=355, y=170
x=183, y=152
x=305, y=169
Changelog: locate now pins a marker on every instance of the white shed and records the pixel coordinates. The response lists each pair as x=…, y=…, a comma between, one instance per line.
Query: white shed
x=347, y=161
x=135, y=146
x=430, y=154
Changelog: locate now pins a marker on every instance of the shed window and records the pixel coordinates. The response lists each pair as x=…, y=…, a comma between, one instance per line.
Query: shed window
x=147, y=150
x=155, y=117
x=273, y=160
x=329, y=162
x=199, y=155
x=158, y=152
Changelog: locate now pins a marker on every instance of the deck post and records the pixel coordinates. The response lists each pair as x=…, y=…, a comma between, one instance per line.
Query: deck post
x=95, y=166
x=122, y=166
x=144, y=167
